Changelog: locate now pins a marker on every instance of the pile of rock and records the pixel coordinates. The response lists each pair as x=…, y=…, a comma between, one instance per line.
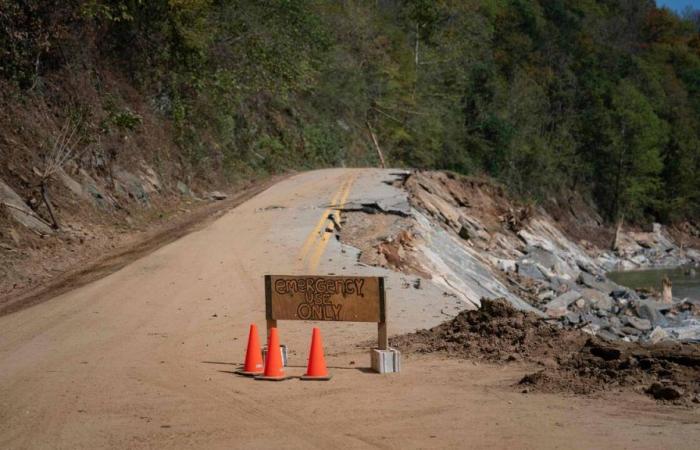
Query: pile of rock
x=628, y=317
x=475, y=243
x=582, y=296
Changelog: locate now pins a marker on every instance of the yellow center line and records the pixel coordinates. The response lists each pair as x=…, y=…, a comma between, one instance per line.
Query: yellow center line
x=313, y=235
x=341, y=205
x=323, y=242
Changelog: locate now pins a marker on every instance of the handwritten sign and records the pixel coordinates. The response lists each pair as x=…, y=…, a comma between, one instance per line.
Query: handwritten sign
x=327, y=298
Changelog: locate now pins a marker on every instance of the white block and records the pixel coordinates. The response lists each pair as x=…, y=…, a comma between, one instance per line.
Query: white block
x=283, y=350
x=386, y=361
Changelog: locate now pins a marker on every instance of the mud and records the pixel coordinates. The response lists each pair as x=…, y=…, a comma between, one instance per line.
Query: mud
x=568, y=360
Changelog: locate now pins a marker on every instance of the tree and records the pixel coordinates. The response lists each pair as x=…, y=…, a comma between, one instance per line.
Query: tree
x=633, y=158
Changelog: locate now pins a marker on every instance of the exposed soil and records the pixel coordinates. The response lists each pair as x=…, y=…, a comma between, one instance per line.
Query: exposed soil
x=99, y=217
x=77, y=263
x=570, y=360
x=384, y=240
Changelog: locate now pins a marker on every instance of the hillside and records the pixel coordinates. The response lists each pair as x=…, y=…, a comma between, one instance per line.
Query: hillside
x=121, y=113
x=601, y=96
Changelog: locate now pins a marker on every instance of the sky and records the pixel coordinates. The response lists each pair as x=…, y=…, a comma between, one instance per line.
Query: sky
x=679, y=5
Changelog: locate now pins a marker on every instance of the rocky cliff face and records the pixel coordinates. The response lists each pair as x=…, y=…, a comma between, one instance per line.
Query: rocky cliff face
x=467, y=236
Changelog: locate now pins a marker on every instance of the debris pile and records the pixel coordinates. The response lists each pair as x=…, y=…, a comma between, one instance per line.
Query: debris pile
x=494, y=332
x=569, y=360
x=582, y=296
x=624, y=315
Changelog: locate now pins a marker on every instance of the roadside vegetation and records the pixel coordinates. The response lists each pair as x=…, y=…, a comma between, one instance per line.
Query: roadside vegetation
x=601, y=97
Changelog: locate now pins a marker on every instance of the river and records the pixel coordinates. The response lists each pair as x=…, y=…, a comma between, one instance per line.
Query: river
x=686, y=284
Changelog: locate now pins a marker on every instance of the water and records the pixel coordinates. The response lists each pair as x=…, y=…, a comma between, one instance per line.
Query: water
x=685, y=283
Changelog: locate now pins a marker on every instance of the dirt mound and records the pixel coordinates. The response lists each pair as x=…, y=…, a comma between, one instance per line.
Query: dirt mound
x=669, y=372
x=495, y=332
x=570, y=360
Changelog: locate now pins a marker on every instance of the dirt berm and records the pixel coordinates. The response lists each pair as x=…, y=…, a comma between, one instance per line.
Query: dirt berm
x=568, y=360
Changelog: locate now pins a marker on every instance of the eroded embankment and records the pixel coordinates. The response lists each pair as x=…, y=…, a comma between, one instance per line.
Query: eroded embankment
x=466, y=236
x=569, y=360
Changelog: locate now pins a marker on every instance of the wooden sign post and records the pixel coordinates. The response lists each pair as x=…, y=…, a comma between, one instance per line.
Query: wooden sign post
x=327, y=298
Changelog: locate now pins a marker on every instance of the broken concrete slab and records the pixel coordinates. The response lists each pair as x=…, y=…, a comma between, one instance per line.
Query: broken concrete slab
x=549, y=262
x=381, y=197
x=374, y=208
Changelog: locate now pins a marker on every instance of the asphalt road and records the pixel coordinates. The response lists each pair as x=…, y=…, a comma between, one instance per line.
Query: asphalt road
x=143, y=358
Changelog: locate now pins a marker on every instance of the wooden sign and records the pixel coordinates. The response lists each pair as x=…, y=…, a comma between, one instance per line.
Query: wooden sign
x=326, y=298
x=339, y=299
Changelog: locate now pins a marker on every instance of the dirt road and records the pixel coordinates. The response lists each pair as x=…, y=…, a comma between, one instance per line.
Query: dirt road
x=143, y=358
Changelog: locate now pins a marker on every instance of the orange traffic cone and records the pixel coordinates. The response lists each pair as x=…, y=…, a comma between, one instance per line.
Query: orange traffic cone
x=274, y=370
x=316, y=369
x=253, y=356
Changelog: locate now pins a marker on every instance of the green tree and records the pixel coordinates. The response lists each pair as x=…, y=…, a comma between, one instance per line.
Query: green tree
x=633, y=161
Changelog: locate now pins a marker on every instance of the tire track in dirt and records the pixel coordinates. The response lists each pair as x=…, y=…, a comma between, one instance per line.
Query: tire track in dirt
x=112, y=262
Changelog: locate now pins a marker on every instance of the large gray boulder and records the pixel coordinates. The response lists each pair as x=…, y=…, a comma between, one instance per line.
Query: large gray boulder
x=636, y=322
x=552, y=263
x=600, y=300
x=529, y=269
x=559, y=306
x=597, y=282
x=649, y=310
